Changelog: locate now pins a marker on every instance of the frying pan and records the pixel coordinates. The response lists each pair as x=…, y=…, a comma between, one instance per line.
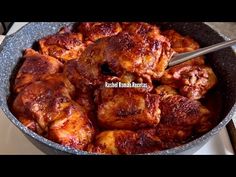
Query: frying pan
x=223, y=63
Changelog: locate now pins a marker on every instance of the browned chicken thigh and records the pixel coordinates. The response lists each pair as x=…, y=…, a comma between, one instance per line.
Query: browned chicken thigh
x=127, y=109
x=35, y=67
x=93, y=31
x=48, y=103
x=64, y=45
x=125, y=142
x=127, y=52
x=179, y=117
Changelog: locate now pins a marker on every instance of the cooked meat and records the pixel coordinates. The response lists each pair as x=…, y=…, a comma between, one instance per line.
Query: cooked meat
x=128, y=52
x=85, y=97
x=123, y=54
x=177, y=110
x=164, y=91
x=126, y=142
x=180, y=43
x=93, y=31
x=192, y=80
x=48, y=103
x=172, y=136
x=181, y=117
x=64, y=45
x=35, y=67
x=139, y=142
x=114, y=142
x=87, y=70
x=72, y=127
x=40, y=100
x=65, y=92
x=125, y=109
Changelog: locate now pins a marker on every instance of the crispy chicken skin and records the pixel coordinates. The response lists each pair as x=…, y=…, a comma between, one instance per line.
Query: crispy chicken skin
x=114, y=142
x=138, y=142
x=72, y=128
x=34, y=68
x=181, y=115
x=93, y=31
x=127, y=52
x=177, y=110
x=125, y=142
x=48, y=103
x=181, y=111
x=125, y=109
x=172, y=136
x=40, y=100
x=64, y=45
x=87, y=69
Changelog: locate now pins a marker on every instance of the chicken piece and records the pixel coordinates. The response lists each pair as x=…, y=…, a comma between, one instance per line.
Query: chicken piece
x=143, y=31
x=165, y=91
x=88, y=69
x=64, y=45
x=180, y=43
x=192, y=80
x=34, y=68
x=93, y=31
x=48, y=103
x=114, y=142
x=172, y=136
x=72, y=128
x=177, y=110
x=85, y=97
x=139, y=142
x=147, y=58
x=41, y=100
x=127, y=109
x=126, y=142
x=179, y=113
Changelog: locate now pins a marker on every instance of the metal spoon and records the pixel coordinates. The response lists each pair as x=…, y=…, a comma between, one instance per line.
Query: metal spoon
x=180, y=58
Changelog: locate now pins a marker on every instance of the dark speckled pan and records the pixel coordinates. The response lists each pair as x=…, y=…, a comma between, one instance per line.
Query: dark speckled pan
x=223, y=63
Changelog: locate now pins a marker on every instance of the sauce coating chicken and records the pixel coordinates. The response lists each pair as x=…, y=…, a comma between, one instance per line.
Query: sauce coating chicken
x=179, y=118
x=48, y=103
x=125, y=54
x=35, y=67
x=64, y=45
x=182, y=112
x=125, y=142
x=192, y=78
x=93, y=31
x=63, y=96
x=127, y=109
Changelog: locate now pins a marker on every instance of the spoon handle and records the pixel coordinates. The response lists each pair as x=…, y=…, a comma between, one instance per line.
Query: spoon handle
x=180, y=58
